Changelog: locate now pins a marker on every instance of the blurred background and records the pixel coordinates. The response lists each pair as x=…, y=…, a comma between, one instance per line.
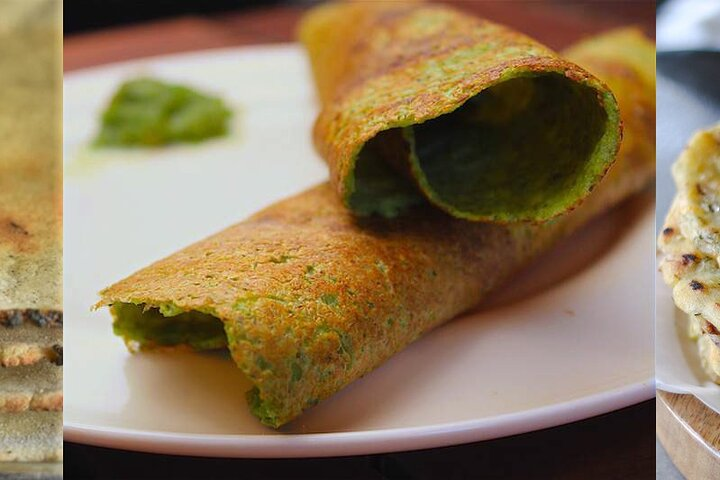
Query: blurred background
x=87, y=15
x=83, y=15
x=103, y=31
x=688, y=25
x=688, y=45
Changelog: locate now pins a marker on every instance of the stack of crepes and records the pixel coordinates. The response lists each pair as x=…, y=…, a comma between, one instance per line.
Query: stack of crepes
x=690, y=243
x=458, y=151
x=31, y=396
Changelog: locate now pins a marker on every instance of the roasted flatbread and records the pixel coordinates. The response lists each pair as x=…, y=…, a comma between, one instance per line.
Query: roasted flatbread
x=309, y=297
x=690, y=244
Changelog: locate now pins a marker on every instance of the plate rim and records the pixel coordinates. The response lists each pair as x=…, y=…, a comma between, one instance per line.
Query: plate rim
x=365, y=442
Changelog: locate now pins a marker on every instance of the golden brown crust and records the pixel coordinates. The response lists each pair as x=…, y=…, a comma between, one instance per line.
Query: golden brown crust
x=350, y=293
x=49, y=402
x=18, y=354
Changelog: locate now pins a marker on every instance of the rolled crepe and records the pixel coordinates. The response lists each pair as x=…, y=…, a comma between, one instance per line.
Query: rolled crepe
x=309, y=297
x=421, y=101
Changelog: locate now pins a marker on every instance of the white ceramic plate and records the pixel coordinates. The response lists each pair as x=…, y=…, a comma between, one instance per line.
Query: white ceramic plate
x=572, y=337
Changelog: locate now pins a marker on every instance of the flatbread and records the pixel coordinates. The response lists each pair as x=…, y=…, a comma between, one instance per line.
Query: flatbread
x=31, y=387
x=309, y=297
x=697, y=177
x=31, y=437
x=30, y=230
x=690, y=244
x=30, y=170
x=421, y=101
x=708, y=342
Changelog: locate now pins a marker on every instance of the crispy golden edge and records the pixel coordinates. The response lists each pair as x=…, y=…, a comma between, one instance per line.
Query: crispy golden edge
x=40, y=401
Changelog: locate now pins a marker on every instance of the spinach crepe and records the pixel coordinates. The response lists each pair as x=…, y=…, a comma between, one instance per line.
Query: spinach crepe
x=309, y=297
x=421, y=101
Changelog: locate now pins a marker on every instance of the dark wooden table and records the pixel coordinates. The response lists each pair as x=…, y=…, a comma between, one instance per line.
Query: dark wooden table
x=617, y=445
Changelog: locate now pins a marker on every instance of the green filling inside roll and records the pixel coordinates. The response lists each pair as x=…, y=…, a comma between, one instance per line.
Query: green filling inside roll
x=379, y=189
x=166, y=326
x=526, y=148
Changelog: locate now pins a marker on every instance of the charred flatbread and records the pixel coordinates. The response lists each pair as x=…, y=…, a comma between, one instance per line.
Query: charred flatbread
x=690, y=244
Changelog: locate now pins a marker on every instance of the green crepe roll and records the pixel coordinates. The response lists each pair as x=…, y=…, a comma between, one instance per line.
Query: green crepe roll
x=309, y=297
x=423, y=102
